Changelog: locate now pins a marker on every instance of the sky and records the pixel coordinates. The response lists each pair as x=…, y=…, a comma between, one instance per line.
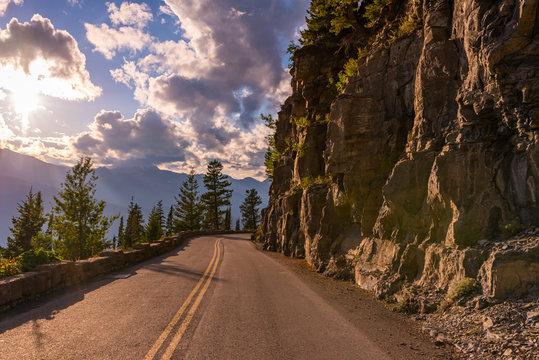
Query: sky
x=166, y=83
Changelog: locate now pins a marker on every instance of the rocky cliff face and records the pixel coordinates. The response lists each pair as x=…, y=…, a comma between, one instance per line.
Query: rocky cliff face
x=427, y=162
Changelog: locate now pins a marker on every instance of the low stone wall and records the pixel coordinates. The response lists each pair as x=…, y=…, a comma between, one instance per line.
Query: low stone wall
x=50, y=277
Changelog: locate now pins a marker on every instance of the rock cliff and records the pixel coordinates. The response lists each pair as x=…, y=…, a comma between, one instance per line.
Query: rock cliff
x=423, y=164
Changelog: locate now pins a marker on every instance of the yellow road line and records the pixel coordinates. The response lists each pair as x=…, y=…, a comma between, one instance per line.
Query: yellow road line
x=185, y=323
x=155, y=348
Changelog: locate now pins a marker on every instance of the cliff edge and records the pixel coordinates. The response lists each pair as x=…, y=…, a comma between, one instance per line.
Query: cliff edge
x=407, y=156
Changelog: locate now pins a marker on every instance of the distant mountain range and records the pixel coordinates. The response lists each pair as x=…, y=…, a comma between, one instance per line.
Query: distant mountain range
x=147, y=185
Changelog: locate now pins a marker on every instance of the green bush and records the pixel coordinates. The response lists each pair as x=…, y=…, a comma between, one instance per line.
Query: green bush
x=461, y=289
x=9, y=267
x=30, y=259
x=373, y=11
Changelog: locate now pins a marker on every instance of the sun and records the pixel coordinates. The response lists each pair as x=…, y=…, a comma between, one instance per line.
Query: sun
x=25, y=99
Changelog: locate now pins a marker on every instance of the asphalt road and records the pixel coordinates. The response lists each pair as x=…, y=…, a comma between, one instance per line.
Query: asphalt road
x=216, y=297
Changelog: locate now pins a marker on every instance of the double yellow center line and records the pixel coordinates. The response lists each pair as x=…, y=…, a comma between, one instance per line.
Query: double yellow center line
x=206, y=280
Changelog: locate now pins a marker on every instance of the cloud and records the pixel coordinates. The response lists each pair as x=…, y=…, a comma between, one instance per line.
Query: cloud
x=74, y=2
x=147, y=138
x=108, y=40
x=4, y=4
x=228, y=62
x=37, y=57
x=134, y=14
x=165, y=9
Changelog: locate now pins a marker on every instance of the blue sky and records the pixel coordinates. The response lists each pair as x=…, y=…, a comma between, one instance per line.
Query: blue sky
x=170, y=83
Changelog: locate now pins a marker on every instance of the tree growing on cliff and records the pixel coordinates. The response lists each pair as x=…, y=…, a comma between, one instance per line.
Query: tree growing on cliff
x=79, y=224
x=188, y=210
x=27, y=225
x=217, y=195
x=272, y=154
x=134, y=228
x=249, y=209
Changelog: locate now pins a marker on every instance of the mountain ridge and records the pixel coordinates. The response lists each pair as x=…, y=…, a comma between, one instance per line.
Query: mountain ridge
x=19, y=172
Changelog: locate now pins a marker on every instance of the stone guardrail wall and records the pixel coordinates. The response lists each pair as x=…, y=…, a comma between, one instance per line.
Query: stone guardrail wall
x=50, y=277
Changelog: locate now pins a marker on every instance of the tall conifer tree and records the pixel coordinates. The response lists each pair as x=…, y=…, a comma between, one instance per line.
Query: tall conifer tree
x=154, y=231
x=26, y=225
x=217, y=195
x=134, y=228
x=170, y=222
x=79, y=223
x=249, y=209
x=188, y=211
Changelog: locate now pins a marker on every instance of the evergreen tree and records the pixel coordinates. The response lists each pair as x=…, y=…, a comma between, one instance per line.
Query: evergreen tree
x=228, y=219
x=121, y=233
x=79, y=224
x=114, y=242
x=160, y=215
x=134, y=228
x=249, y=209
x=237, y=225
x=154, y=231
x=170, y=221
x=217, y=195
x=188, y=212
x=26, y=225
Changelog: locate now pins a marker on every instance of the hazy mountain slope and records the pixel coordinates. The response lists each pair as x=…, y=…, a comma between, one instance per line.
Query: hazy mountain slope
x=116, y=186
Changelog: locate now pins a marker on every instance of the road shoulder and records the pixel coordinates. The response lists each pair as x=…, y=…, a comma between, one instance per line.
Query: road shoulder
x=393, y=332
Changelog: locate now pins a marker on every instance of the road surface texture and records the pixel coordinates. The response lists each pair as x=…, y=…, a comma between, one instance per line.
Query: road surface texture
x=216, y=297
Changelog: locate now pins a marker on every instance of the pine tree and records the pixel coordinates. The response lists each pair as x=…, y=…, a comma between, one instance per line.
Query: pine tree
x=26, y=225
x=188, y=212
x=79, y=224
x=160, y=215
x=154, y=231
x=114, y=242
x=134, y=228
x=217, y=195
x=249, y=209
x=121, y=233
x=237, y=225
x=228, y=219
x=170, y=221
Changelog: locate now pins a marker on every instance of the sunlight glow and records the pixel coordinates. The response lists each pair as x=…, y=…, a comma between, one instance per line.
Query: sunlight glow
x=25, y=99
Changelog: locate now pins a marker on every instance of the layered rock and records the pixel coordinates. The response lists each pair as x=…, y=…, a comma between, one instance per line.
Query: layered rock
x=432, y=147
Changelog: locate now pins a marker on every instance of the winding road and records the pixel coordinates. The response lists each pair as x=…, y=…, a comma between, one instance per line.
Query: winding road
x=215, y=297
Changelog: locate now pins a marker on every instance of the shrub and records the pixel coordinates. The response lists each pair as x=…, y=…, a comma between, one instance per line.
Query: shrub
x=9, y=267
x=30, y=259
x=302, y=122
x=373, y=11
x=461, y=289
x=408, y=24
x=300, y=148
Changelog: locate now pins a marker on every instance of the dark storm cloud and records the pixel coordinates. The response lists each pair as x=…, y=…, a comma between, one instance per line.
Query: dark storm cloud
x=146, y=139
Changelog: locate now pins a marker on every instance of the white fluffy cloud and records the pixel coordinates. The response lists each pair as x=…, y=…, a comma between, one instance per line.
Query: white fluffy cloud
x=5, y=3
x=35, y=57
x=108, y=40
x=134, y=14
x=130, y=37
